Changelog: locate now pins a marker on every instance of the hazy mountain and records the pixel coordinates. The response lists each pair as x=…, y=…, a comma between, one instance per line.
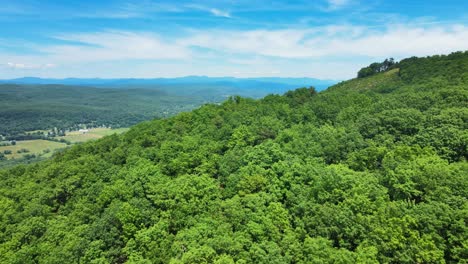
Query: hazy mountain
x=272, y=84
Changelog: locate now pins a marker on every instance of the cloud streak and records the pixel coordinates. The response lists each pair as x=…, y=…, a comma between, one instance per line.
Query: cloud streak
x=23, y=66
x=293, y=49
x=115, y=45
x=220, y=13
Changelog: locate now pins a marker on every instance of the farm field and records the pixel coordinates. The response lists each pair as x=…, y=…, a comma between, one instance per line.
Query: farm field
x=45, y=148
x=36, y=147
x=94, y=133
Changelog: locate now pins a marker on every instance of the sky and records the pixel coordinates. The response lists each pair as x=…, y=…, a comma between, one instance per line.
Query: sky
x=325, y=39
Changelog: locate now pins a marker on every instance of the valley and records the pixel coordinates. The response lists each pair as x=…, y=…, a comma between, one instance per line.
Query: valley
x=48, y=114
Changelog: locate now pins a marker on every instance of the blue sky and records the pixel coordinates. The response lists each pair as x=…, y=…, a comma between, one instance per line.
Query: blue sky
x=327, y=39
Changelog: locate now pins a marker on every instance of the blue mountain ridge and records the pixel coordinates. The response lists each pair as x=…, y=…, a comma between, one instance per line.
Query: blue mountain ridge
x=191, y=85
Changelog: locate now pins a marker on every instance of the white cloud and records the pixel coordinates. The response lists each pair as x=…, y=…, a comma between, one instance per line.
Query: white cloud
x=278, y=43
x=220, y=13
x=396, y=40
x=214, y=11
x=115, y=45
x=399, y=41
x=23, y=66
x=16, y=65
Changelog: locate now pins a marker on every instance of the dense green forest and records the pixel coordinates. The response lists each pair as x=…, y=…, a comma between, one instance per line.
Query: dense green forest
x=43, y=107
x=372, y=170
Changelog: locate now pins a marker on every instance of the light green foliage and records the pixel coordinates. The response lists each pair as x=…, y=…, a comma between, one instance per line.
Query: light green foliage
x=370, y=171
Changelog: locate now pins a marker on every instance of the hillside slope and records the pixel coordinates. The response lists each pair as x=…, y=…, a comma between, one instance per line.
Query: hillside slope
x=370, y=171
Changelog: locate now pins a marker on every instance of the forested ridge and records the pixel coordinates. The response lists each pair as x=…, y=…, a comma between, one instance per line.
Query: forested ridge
x=372, y=170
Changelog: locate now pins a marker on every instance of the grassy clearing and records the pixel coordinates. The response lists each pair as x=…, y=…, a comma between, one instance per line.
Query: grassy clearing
x=46, y=148
x=378, y=81
x=94, y=133
x=36, y=147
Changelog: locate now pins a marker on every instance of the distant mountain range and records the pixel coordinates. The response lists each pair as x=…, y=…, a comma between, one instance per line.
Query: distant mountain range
x=254, y=87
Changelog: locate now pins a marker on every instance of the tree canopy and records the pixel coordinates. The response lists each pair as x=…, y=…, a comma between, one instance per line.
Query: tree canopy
x=377, y=67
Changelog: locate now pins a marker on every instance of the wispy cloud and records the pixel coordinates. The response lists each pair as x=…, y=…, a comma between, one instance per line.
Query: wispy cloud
x=57, y=11
x=116, y=45
x=23, y=66
x=347, y=40
x=289, y=52
x=333, y=40
x=205, y=8
x=220, y=13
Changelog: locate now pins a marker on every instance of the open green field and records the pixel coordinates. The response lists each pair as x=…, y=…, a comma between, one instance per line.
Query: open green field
x=46, y=148
x=36, y=147
x=94, y=133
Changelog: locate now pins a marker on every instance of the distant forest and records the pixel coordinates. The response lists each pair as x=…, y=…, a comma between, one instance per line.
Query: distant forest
x=43, y=107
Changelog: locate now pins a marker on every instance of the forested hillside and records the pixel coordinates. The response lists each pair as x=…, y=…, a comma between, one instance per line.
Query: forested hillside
x=372, y=170
x=43, y=107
